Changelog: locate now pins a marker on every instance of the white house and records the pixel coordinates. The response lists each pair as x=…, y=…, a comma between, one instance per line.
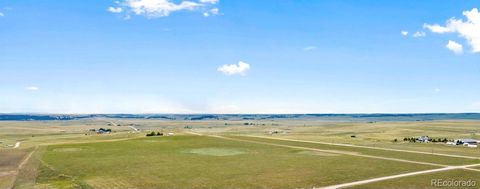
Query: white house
x=466, y=142
x=423, y=139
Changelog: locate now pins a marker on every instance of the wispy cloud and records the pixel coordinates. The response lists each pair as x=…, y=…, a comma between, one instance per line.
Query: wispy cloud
x=468, y=29
x=234, y=69
x=435, y=28
x=163, y=8
x=404, y=33
x=455, y=47
x=209, y=1
x=115, y=9
x=32, y=88
x=419, y=34
x=214, y=11
x=1, y=14
x=310, y=48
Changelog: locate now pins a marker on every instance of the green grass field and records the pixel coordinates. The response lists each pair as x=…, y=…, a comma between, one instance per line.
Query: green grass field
x=63, y=154
x=382, y=153
x=203, y=162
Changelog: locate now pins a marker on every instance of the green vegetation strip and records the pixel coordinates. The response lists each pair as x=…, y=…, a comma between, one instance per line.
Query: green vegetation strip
x=373, y=152
x=203, y=162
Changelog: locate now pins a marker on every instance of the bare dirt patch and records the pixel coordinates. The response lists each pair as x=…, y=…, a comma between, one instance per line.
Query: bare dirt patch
x=9, y=159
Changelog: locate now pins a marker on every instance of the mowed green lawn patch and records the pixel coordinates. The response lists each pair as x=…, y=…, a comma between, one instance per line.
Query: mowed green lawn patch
x=444, y=160
x=203, y=162
x=437, y=180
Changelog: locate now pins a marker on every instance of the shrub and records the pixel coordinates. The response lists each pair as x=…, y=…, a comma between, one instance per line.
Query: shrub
x=151, y=134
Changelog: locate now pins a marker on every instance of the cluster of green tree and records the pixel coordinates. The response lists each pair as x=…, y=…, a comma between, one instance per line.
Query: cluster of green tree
x=440, y=140
x=154, y=134
x=410, y=139
x=263, y=124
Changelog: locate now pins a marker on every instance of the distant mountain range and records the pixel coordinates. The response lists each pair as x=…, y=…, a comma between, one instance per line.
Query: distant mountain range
x=327, y=117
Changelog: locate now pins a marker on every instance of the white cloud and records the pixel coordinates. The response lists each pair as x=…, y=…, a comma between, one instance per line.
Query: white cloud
x=232, y=69
x=468, y=29
x=404, y=33
x=163, y=8
x=32, y=88
x=214, y=11
x=115, y=9
x=455, y=47
x=437, y=28
x=209, y=1
x=310, y=48
x=419, y=34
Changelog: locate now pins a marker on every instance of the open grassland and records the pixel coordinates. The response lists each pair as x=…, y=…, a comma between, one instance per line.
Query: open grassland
x=442, y=160
x=232, y=154
x=203, y=162
x=33, y=133
x=7, y=181
x=10, y=158
x=376, y=134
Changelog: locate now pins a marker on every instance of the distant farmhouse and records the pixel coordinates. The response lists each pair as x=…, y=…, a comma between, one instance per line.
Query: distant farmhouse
x=104, y=131
x=101, y=131
x=423, y=139
x=467, y=142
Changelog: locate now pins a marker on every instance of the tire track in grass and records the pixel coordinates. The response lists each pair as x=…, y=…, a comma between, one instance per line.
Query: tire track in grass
x=368, y=147
x=332, y=151
x=443, y=167
x=467, y=167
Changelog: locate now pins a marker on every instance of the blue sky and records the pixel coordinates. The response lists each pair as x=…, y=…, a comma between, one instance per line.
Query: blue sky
x=160, y=56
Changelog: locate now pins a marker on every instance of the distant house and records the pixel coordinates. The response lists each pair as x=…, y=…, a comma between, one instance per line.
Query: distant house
x=423, y=139
x=273, y=132
x=466, y=142
x=104, y=131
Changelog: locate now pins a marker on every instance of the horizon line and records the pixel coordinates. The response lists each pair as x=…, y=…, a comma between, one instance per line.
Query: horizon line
x=350, y=113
